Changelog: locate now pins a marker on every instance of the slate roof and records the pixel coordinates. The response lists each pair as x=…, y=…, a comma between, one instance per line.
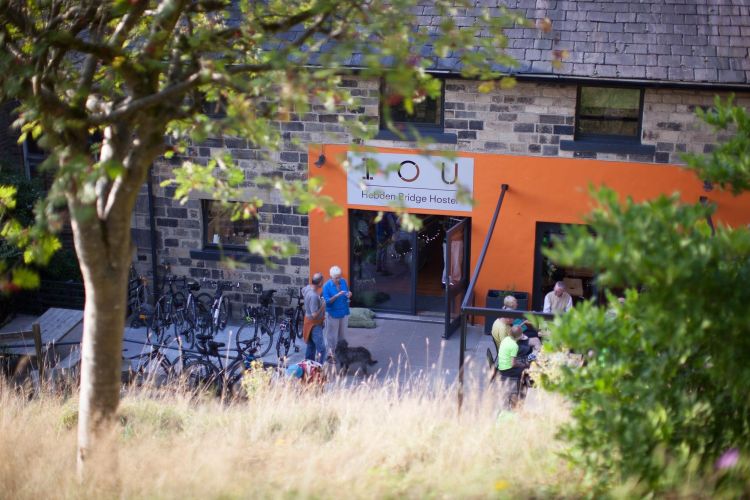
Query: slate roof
x=690, y=41
x=661, y=41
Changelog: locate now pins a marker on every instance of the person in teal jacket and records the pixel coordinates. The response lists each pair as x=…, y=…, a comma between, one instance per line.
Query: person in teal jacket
x=337, y=296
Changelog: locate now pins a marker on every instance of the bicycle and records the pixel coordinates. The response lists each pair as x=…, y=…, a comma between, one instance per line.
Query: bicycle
x=153, y=367
x=290, y=328
x=218, y=316
x=138, y=299
x=200, y=373
x=168, y=302
x=260, y=324
x=156, y=318
x=192, y=316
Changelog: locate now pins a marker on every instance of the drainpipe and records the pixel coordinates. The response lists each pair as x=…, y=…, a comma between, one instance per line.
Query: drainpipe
x=704, y=201
x=152, y=227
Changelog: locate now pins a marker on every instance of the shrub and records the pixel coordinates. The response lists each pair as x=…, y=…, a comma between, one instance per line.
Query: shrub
x=63, y=265
x=662, y=397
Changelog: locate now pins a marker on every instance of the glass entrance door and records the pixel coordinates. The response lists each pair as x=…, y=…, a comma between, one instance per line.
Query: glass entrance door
x=457, y=255
x=382, y=260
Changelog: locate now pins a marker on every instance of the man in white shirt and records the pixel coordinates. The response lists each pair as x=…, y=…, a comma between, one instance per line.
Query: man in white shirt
x=558, y=300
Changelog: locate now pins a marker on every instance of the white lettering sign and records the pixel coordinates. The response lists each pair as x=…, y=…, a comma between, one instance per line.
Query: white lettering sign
x=413, y=181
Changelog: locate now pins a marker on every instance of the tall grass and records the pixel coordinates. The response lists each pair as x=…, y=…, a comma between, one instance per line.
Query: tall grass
x=362, y=440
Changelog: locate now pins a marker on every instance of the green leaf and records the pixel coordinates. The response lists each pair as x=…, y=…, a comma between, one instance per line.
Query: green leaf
x=25, y=278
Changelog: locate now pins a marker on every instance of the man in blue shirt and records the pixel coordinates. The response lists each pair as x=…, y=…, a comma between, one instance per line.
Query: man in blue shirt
x=336, y=294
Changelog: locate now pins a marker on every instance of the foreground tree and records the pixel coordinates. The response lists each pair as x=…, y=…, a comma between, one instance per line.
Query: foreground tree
x=101, y=84
x=661, y=404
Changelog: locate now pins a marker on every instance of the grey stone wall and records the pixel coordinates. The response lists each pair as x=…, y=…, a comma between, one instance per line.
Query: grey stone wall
x=530, y=119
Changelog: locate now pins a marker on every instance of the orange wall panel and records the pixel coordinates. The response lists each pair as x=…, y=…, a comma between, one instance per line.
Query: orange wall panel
x=540, y=190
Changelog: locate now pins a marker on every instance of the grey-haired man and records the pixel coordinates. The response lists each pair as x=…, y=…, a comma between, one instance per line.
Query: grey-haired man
x=312, y=330
x=336, y=295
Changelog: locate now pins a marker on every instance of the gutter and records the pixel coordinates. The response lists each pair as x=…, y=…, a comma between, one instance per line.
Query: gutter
x=575, y=80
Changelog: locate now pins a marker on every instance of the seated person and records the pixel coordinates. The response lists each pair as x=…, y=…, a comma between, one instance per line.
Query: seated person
x=558, y=300
x=500, y=330
x=501, y=326
x=509, y=363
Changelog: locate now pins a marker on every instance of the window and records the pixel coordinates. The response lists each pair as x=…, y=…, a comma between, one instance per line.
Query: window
x=220, y=230
x=33, y=156
x=427, y=116
x=609, y=113
x=608, y=120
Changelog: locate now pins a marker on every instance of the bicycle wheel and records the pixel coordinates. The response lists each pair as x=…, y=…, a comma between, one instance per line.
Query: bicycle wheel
x=165, y=310
x=178, y=300
x=155, y=371
x=272, y=319
x=199, y=375
x=203, y=302
x=263, y=338
x=154, y=326
x=164, y=318
x=192, y=311
x=233, y=380
x=299, y=319
x=223, y=314
x=284, y=341
x=182, y=328
x=204, y=324
x=246, y=339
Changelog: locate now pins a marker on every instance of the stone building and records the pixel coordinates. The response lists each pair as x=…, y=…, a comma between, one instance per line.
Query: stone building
x=619, y=109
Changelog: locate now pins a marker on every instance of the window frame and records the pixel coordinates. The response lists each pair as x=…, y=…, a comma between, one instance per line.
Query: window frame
x=608, y=138
x=422, y=128
x=209, y=245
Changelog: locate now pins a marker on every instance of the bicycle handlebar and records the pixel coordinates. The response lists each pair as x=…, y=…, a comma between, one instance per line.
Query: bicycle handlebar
x=298, y=295
x=172, y=279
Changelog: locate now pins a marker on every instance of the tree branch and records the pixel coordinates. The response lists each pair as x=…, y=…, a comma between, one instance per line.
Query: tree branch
x=89, y=67
x=289, y=22
x=15, y=51
x=50, y=101
x=164, y=22
x=130, y=106
x=312, y=30
x=150, y=139
x=126, y=24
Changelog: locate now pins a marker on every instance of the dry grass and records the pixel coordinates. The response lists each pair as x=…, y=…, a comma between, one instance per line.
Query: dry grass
x=366, y=441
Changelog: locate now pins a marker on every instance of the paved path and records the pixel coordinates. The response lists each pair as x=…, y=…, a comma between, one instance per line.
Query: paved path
x=403, y=349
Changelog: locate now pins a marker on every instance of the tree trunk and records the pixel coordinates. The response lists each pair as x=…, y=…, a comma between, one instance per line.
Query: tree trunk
x=104, y=257
x=101, y=232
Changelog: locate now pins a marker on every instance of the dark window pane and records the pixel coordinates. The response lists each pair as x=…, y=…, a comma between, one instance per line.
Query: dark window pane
x=221, y=230
x=426, y=112
x=609, y=111
x=382, y=256
x=608, y=127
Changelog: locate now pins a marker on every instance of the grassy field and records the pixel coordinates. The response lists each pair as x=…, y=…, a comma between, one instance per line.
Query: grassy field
x=366, y=441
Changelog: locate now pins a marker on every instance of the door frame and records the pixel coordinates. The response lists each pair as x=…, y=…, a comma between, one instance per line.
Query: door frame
x=412, y=310
x=452, y=291
x=537, y=292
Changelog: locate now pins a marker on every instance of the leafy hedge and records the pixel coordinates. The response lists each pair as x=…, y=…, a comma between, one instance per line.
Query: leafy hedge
x=661, y=404
x=63, y=265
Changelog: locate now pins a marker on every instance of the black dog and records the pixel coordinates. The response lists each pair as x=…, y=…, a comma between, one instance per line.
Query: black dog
x=347, y=356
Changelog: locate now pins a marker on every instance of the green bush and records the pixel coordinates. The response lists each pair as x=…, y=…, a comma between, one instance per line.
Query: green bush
x=662, y=397
x=63, y=265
